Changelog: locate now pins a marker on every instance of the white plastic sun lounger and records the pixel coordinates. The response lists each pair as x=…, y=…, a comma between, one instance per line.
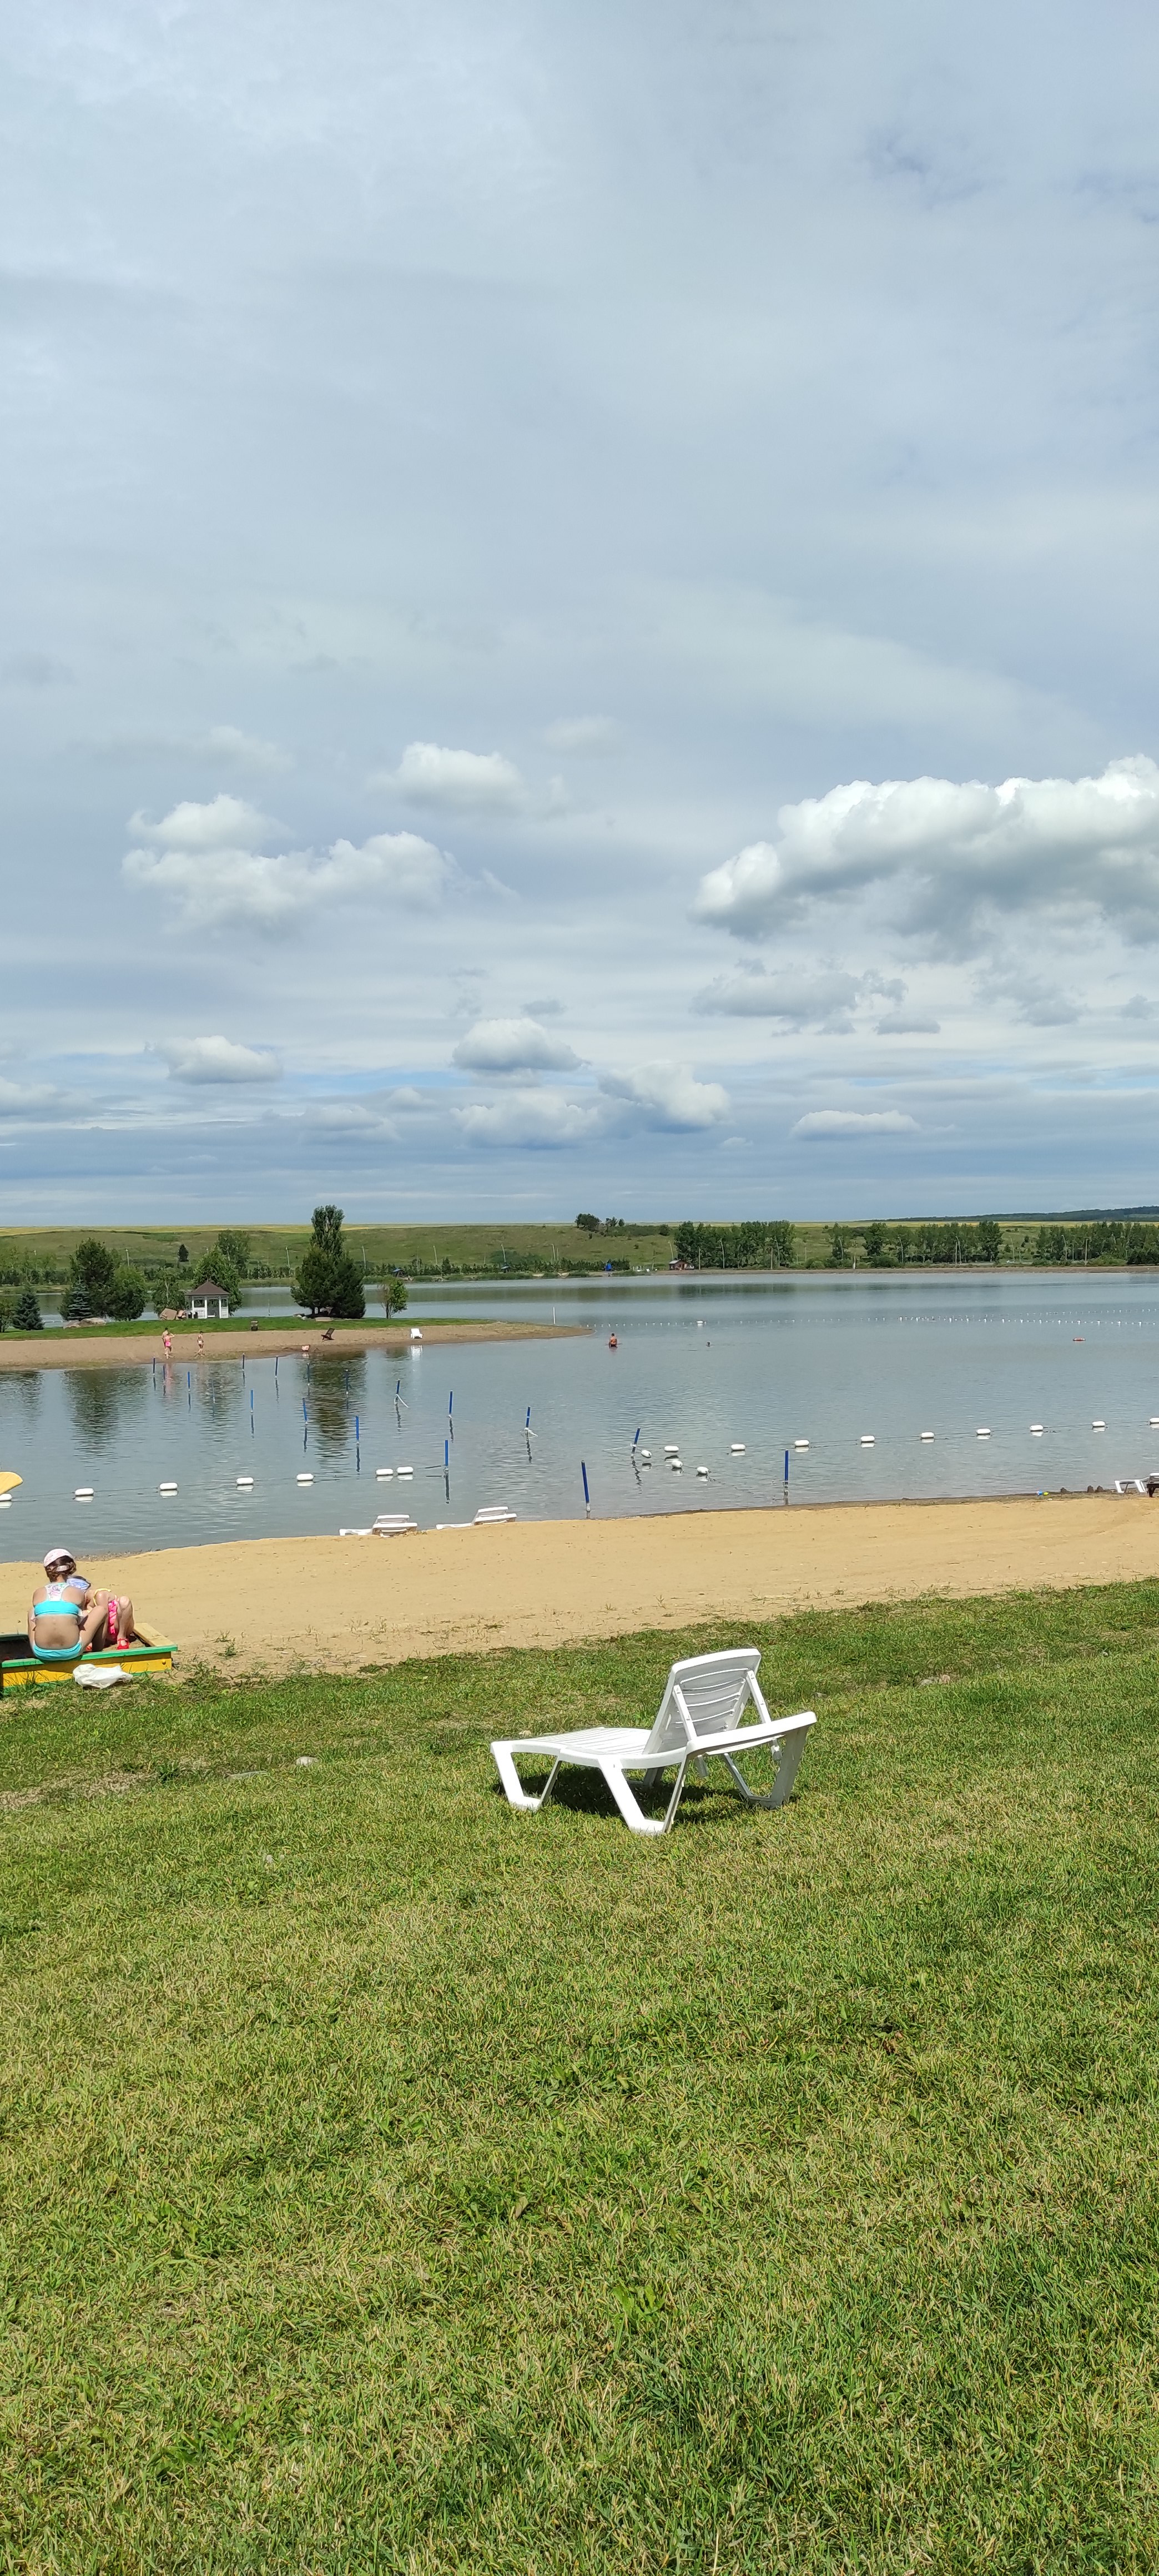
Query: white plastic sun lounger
x=701, y=1715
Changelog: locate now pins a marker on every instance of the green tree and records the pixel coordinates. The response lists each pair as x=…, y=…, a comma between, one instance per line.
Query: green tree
x=91, y=1273
x=875, y=1239
x=128, y=1296
x=26, y=1314
x=228, y=1262
x=588, y=1224
x=838, y=1245
x=328, y=1281
x=5, y=1313
x=990, y=1239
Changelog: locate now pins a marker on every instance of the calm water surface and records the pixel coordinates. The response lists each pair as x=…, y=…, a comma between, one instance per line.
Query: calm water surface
x=700, y=1364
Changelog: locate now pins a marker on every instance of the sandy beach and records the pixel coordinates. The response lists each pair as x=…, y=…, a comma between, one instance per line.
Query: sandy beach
x=138, y=1350
x=278, y=1604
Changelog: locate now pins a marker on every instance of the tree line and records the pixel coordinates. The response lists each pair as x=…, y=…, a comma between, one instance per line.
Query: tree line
x=99, y=1284
x=749, y=1246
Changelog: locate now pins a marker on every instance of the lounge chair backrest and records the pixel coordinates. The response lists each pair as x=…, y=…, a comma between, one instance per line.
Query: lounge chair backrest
x=705, y=1696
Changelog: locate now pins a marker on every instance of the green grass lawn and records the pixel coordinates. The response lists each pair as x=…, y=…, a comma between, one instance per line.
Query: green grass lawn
x=394, y=2182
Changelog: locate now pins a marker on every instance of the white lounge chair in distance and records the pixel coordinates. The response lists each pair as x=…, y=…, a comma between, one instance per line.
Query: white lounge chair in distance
x=701, y=1717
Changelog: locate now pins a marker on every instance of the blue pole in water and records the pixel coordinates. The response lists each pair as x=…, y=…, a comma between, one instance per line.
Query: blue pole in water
x=305, y=1415
x=527, y=1424
x=636, y=1441
x=450, y=1404
x=584, y=1474
x=786, y=1475
x=251, y=1399
x=356, y=1431
x=275, y=1368
x=446, y=1455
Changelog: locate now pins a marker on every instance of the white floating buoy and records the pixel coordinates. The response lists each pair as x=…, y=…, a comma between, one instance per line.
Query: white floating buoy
x=702, y=1471
x=677, y=1465
x=83, y=1494
x=1153, y=1423
x=5, y=1502
x=167, y=1489
x=981, y=1434
x=384, y=1471
x=867, y=1438
x=406, y=1471
x=800, y=1444
x=737, y=1450
x=306, y=1480
x=925, y=1435
x=672, y=1448
x=700, y=1323
x=1098, y=1426
x=245, y=1480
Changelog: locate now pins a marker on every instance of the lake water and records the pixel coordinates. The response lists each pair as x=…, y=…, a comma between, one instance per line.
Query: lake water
x=701, y=1364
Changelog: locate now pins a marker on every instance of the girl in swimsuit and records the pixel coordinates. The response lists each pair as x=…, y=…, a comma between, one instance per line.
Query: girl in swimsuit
x=67, y=1618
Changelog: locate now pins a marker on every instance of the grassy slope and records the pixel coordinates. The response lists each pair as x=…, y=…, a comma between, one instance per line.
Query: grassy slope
x=392, y=2181
x=280, y=1248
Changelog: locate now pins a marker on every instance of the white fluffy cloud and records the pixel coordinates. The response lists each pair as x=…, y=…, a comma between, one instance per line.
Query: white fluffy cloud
x=855, y=1122
x=513, y=1047
x=463, y=781
x=36, y=1100
x=219, y=1059
x=529, y=1118
x=668, y=1095
x=959, y=855
x=814, y=999
x=208, y=860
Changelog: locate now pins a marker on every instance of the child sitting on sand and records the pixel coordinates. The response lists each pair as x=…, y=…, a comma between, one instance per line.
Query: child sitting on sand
x=68, y=1618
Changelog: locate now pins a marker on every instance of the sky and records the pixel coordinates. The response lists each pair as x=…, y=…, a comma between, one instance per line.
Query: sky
x=579, y=617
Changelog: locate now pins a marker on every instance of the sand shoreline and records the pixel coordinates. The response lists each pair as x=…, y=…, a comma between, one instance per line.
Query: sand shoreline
x=138, y=1350
x=278, y=1604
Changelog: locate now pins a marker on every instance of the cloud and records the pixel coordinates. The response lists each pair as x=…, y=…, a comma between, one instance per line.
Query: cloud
x=1138, y=1008
x=466, y=781
x=548, y=1009
x=226, y=746
x=669, y=1096
x=855, y=1122
x=513, y=1046
x=219, y=1060
x=207, y=860
x=799, y=1001
x=584, y=734
x=534, y=1118
x=37, y=1100
x=959, y=855
x=907, y=1024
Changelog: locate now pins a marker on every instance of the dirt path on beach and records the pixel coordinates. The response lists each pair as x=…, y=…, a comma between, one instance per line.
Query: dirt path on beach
x=278, y=1602
x=130, y=1350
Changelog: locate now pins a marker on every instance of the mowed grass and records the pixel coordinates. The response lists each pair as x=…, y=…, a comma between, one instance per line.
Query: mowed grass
x=394, y=2182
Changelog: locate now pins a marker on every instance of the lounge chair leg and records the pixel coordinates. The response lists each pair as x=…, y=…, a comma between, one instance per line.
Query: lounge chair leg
x=790, y=1749
x=634, y=1818
x=516, y=1793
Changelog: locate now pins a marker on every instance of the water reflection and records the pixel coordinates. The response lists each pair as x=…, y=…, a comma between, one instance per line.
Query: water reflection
x=25, y=1387
x=335, y=1393
x=103, y=1403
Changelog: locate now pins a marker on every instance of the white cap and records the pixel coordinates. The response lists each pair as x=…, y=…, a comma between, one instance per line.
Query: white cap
x=55, y=1554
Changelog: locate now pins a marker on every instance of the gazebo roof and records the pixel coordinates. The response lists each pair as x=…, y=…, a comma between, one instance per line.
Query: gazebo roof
x=209, y=1288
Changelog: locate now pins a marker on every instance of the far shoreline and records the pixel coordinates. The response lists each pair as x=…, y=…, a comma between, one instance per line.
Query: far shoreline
x=139, y=1346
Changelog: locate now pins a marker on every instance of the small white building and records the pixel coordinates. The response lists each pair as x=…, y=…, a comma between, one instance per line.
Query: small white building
x=209, y=1303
